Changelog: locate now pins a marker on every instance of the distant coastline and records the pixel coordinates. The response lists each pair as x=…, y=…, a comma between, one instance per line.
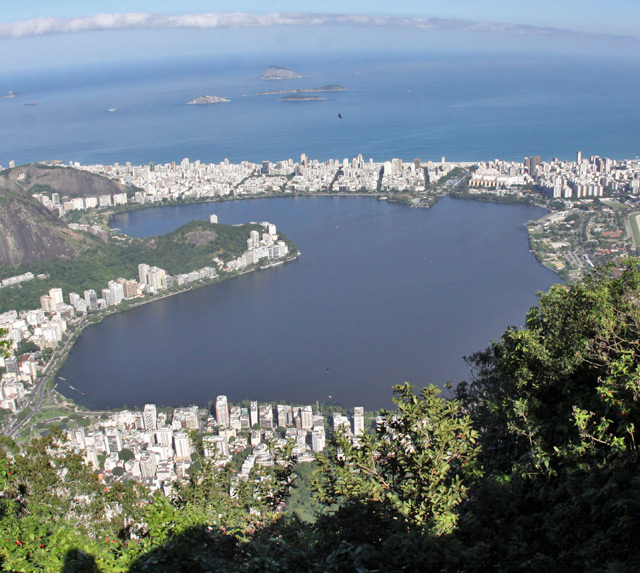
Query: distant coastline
x=298, y=97
x=329, y=88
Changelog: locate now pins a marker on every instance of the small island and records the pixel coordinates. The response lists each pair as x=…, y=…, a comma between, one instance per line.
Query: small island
x=301, y=97
x=206, y=99
x=279, y=73
x=328, y=88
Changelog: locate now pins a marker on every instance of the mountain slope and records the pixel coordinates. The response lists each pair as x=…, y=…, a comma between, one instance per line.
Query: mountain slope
x=29, y=232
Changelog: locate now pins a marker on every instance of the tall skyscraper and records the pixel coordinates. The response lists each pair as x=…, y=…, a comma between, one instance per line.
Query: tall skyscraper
x=143, y=271
x=222, y=411
x=253, y=414
x=306, y=416
x=318, y=439
x=182, y=445
x=150, y=417
x=91, y=299
x=358, y=421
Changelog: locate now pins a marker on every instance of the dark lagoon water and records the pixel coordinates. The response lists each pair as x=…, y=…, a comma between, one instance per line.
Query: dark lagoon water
x=381, y=294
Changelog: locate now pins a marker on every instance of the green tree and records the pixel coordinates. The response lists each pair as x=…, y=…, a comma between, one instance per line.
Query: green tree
x=418, y=463
x=558, y=405
x=5, y=343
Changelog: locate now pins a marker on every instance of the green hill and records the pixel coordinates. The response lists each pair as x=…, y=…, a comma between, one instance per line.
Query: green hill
x=190, y=247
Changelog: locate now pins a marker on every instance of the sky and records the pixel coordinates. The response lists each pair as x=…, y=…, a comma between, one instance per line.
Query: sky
x=41, y=33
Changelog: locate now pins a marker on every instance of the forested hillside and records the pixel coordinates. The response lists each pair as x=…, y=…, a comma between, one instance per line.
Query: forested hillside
x=190, y=247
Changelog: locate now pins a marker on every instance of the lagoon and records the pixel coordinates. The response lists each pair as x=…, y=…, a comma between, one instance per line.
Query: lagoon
x=380, y=295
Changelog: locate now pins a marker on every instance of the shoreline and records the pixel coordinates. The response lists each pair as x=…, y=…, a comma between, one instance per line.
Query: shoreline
x=49, y=384
x=46, y=383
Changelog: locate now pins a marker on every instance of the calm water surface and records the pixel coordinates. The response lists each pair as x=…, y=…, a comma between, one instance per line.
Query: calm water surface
x=381, y=294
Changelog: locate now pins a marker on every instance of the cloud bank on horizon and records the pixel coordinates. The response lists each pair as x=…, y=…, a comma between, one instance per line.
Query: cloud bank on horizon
x=139, y=21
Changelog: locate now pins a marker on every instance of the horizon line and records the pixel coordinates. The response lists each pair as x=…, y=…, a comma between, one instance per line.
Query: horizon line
x=233, y=20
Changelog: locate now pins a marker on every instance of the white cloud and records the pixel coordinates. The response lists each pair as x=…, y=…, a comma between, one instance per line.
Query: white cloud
x=97, y=22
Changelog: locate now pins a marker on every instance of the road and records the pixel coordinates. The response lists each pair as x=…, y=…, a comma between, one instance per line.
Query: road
x=37, y=398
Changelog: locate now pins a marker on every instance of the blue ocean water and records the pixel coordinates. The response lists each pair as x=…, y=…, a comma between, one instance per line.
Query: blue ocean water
x=464, y=107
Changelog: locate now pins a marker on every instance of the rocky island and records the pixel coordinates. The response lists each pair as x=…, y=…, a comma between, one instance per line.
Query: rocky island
x=279, y=73
x=205, y=99
x=328, y=88
x=301, y=97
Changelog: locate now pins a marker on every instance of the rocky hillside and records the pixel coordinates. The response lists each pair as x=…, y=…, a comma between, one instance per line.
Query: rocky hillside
x=29, y=232
x=29, y=179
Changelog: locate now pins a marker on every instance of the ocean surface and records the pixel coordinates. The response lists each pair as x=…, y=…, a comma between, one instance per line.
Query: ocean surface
x=381, y=294
x=466, y=108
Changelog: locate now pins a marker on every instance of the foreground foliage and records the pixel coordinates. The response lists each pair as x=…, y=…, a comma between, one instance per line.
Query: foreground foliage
x=533, y=466
x=558, y=405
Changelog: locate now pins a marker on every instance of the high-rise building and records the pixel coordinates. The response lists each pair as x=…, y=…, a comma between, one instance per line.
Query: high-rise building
x=358, y=421
x=182, y=445
x=164, y=436
x=148, y=465
x=318, y=439
x=266, y=416
x=113, y=437
x=341, y=421
x=531, y=163
x=285, y=415
x=253, y=414
x=117, y=291
x=155, y=276
x=47, y=303
x=143, y=271
x=107, y=296
x=306, y=416
x=91, y=299
x=130, y=288
x=150, y=417
x=216, y=447
x=56, y=295
x=222, y=411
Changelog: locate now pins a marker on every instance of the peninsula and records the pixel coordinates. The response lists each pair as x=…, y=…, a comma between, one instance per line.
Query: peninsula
x=206, y=99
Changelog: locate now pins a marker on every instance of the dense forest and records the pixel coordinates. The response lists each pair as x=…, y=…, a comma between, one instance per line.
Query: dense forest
x=532, y=465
